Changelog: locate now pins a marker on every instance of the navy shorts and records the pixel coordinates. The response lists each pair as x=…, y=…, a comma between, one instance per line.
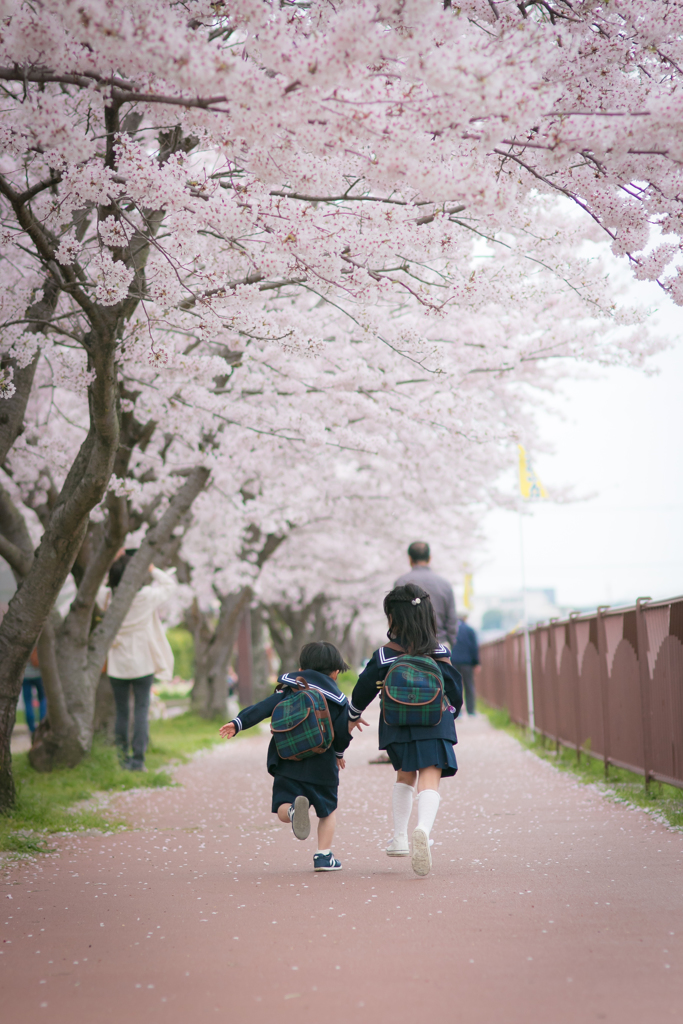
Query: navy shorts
x=416, y=754
x=322, y=798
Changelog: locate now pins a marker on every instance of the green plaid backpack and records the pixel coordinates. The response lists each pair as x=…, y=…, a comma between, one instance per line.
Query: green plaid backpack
x=301, y=723
x=413, y=693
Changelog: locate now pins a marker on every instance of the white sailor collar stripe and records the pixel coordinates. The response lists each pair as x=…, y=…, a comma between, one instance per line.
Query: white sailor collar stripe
x=341, y=699
x=385, y=658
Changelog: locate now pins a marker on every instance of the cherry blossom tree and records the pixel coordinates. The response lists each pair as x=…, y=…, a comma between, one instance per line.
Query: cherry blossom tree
x=357, y=231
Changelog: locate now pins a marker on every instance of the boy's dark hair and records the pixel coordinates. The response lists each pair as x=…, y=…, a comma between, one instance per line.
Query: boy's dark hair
x=322, y=657
x=419, y=551
x=117, y=570
x=412, y=620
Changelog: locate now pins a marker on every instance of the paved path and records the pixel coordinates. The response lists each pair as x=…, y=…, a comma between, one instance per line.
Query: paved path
x=547, y=904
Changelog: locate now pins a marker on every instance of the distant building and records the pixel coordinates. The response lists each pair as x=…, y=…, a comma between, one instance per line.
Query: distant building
x=493, y=615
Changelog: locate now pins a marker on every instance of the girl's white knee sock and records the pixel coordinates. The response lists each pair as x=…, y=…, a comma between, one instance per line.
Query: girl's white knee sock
x=427, y=805
x=402, y=805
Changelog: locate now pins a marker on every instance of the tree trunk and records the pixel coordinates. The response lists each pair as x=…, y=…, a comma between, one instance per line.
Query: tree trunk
x=259, y=637
x=56, y=740
x=213, y=650
x=33, y=601
x=199, y=624
x=81, y=653
x=105, y=710
x=290, y=628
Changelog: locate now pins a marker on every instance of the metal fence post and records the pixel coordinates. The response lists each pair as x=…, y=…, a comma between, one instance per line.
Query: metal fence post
x=602, y=656
x=556, y=676
x=644, y=673
x=574, y=647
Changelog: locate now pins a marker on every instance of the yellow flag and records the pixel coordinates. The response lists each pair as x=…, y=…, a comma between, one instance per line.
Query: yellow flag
x=467, y=594
x=529, y=483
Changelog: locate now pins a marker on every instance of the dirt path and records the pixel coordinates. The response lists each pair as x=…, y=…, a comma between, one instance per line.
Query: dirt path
x=547, y=905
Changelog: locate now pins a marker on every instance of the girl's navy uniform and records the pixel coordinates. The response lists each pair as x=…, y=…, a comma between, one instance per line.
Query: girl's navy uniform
x=315, y=777
x=412, y=747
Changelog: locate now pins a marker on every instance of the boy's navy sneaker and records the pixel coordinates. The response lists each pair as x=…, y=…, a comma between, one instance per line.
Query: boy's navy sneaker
x=299, y=817
x=326, y=862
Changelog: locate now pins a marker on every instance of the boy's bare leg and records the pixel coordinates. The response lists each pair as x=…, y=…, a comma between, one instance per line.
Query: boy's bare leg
x=326, y=831
x=282, y=812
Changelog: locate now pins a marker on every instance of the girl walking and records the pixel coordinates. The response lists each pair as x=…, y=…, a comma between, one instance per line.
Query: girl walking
x=420, y=752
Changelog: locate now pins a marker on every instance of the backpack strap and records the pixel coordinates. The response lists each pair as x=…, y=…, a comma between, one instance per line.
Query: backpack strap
x=301, y=684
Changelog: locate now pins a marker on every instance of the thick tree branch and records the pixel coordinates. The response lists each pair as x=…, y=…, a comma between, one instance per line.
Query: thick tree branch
x=19, y=562
x=103, y=635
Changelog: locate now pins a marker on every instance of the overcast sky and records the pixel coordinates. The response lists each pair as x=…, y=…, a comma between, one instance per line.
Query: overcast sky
x=623, y=440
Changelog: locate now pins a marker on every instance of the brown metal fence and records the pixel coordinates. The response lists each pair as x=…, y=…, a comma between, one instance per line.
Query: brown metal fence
x=609, y=684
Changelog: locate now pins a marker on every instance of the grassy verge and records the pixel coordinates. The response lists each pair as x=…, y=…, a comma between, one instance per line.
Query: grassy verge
x=346, y=681
x=622, y=785
x=45, y=802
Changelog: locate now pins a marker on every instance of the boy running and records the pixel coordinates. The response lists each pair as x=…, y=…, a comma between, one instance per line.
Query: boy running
x=314, y=780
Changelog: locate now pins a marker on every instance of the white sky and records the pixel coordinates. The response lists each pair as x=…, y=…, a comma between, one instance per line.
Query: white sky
x=622, y=440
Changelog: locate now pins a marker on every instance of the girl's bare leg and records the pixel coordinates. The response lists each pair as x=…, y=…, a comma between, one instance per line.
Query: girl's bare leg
x=407, y=778
x=429, y=779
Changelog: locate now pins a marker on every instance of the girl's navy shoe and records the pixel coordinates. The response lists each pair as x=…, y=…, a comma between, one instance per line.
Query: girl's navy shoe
x=326, y=862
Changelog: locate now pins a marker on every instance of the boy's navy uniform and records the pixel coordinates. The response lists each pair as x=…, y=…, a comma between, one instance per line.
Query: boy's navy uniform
x=316, y=777
x=411, y=747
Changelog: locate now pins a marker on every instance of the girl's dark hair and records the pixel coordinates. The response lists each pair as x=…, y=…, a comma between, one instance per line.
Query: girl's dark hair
x=322, y=657
x=117, y=570
x=413, y=624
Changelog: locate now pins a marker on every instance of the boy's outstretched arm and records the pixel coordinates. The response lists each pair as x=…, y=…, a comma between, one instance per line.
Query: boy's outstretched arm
x=252, y=715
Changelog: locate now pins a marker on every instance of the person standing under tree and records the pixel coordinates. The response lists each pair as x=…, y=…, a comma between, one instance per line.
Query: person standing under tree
x=438, y=588
x=33, y=680
x=140, y=652
x=465, y=657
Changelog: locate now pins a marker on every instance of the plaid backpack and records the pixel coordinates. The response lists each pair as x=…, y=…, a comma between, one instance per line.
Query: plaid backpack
x=301, y=723
x=413, y=693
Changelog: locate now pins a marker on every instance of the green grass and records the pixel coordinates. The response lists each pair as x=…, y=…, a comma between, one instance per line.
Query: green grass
x=346, y=681
x=45, y=802
x=621, y=785
x=182, y=645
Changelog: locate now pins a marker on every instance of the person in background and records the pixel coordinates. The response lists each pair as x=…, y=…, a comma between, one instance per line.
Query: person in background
x=439, y=590
x=465, y=657
x=33, y=680
x=140, y=652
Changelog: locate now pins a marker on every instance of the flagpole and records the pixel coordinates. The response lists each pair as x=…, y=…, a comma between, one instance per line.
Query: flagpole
x=527, y=642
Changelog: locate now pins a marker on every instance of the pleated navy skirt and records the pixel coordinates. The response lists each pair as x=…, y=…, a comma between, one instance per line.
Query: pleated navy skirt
x=416, y=754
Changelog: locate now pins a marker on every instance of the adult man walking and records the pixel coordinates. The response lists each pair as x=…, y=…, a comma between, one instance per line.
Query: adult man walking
x=439, y=589
x=465, y=657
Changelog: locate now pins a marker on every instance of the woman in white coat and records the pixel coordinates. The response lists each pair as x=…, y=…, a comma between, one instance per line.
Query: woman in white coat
x=140, y=652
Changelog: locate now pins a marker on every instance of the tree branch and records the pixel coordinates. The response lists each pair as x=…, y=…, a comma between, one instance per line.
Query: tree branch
x=15, y=557
x=103, y=635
